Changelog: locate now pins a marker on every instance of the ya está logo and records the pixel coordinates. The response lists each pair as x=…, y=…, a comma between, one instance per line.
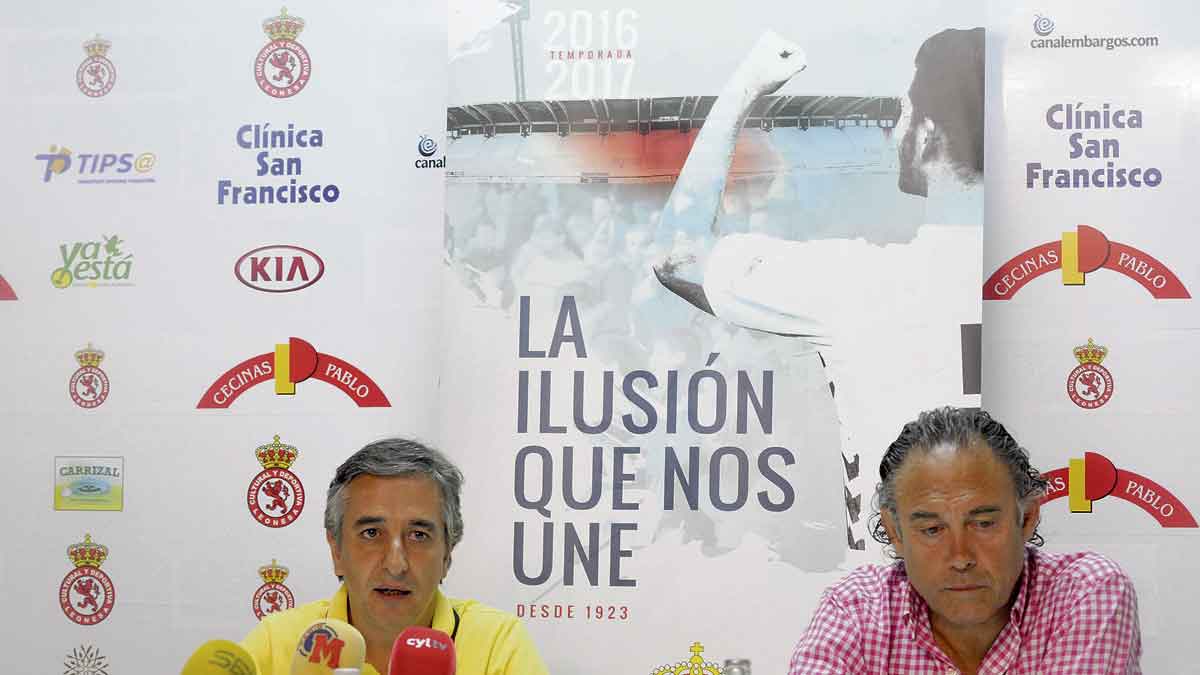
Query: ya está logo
x=1078, y=254
x=290, y=364
x=102, y=262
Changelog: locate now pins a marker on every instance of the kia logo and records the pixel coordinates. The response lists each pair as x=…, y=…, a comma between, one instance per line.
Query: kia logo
x=279, y=268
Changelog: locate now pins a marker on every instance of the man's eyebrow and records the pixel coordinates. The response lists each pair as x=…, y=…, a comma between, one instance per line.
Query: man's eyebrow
x=369, y=520
x=980, y=510
x=421, y=522
x=923, y=515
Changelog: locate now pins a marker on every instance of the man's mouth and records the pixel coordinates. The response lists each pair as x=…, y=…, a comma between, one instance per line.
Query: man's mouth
x=961, y=589
x=389, y=592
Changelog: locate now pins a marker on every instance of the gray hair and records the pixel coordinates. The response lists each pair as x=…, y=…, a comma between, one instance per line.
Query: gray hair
x=960, y=427
x=398, y=457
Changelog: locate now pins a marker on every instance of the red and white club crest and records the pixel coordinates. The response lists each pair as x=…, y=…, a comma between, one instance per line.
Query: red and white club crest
x=282, y=67
x=276, y=495
x=89, y=384
x=96, y=75
x=272, y=596
x=86, y=594
x=1090, y=385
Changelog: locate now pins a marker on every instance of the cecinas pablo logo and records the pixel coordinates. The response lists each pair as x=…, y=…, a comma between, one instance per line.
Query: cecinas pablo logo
x=279, y=268
x=427, y=148
x=1093, y=477
x=1078, y=254
x=289, y=365
x=96, y=76
x=6, y=291
x=282, y=67
x=97, y=167
x=100, y=262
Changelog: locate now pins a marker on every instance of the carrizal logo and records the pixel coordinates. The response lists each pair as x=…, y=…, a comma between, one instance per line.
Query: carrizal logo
x=1078, y=254
x=6, y=291
x=282, y=67
x=86, y=594
x=96, y=168
x=1094, y=477
x=696, y=665
x=426, y=148
x=85, y=660
x=279, y=268
x=272, y=596
x=93, y=263
x=264, y=139
x=89, y=483
x=1044, y=26
x=276, y=495
x=89, y=384
x=289, y=365
x=96, y=75
x=1090, y=385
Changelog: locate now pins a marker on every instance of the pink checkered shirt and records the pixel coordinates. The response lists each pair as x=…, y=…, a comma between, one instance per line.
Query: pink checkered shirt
x=1075, y=614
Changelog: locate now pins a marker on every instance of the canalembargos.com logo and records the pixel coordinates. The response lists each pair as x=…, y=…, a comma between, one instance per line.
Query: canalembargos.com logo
x=1043, y=26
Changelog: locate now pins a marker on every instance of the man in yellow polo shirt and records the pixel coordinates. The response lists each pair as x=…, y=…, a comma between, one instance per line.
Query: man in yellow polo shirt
x=392, y=521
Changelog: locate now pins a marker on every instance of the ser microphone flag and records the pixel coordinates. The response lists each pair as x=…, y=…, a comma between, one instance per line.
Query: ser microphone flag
x=422, y=651
x=220, y=657
x=327, y=645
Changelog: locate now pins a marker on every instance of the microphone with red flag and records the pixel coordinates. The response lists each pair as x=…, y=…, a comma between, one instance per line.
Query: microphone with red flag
x=422, y=651
x=327, y=645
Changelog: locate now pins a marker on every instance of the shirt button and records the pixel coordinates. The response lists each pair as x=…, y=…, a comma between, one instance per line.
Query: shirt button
x=952, y=672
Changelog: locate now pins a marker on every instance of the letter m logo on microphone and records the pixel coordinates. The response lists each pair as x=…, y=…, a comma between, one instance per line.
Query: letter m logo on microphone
x=322, y=645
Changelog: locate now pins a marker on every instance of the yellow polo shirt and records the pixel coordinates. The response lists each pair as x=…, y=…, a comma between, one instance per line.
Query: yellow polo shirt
x=487, y=641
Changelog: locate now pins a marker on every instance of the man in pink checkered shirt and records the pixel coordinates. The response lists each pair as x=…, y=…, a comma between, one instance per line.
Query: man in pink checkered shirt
x=960, y=503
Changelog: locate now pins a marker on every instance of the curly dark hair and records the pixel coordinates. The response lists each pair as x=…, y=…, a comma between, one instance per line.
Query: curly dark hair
x=961, y=427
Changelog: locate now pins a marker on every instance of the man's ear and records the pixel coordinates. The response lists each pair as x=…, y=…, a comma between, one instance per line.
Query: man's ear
x=446, y=565
x=335, y=553
x=1033, y=516
x=890, y=525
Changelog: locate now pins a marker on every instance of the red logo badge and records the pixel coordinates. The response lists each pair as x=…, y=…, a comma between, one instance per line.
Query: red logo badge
x=1094, y=477
x=6, y=291
x=1078, y=254
x=86, y=593
x=1090, y=385
x=282, y=67
x=289, y=365
x=279, y=269
x=96, y=75
x=89, y=384
x=276, y=496
x=272, y=596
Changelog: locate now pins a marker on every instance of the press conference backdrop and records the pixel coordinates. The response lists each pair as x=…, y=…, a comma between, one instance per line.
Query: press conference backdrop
x=664, y=281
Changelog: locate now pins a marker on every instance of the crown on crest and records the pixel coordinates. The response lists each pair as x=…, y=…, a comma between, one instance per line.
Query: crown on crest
x=89, y=356
x=696, y=665
x=273, y=573
x=283, y=27
x=276, y=455
x=86, y=553
x=1090, y=353
x=97, y=46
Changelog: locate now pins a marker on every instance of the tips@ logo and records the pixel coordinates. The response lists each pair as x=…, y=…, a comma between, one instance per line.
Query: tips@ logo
x=1078, y=254
x=290, y=364
x=86, y=594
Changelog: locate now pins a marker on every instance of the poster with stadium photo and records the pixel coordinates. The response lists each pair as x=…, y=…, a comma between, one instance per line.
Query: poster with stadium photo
x=700, y=268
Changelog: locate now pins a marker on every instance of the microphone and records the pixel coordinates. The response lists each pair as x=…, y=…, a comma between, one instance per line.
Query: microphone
x=422, y=651
x=220, y=657
x=326, y=645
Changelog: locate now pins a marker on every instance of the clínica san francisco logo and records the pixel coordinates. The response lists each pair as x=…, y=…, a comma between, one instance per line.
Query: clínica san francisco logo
x=696, y=665
x=89, y=384
x=276, y=495
x=96, y=75
x=272, y=596
x=1090, y=385
x=86, y=593
x=282, y=67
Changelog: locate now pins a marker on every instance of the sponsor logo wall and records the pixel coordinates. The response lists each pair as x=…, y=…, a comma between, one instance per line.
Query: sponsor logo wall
x=1090, y=161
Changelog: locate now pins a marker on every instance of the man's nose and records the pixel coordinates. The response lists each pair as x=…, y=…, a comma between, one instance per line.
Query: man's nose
x=395, y=562
x=962, y=552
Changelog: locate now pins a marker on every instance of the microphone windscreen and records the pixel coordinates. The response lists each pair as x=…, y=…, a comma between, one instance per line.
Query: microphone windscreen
x=327, y=645
x=220, y=657
x=422, y=651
